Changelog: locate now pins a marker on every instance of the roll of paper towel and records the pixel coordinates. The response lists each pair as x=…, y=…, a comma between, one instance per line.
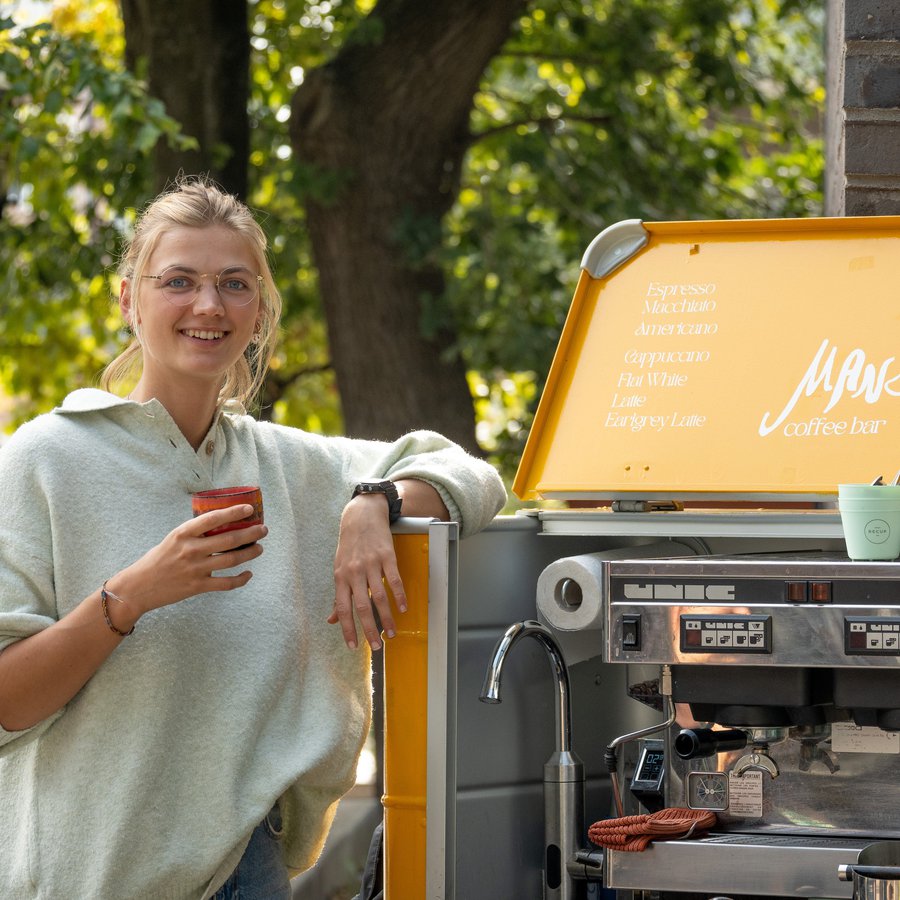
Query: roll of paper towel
x=570, y=595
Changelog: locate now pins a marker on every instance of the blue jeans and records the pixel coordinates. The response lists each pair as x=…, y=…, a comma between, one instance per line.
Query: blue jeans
x=261, y=874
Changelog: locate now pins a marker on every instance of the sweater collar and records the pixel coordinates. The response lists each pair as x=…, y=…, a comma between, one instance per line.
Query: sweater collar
x=93, y=400
x=87, y=400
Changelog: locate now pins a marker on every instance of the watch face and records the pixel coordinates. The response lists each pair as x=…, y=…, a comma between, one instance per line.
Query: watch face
x=707, y=790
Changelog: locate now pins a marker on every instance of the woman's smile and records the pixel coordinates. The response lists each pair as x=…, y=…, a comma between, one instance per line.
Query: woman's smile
x=203, y=335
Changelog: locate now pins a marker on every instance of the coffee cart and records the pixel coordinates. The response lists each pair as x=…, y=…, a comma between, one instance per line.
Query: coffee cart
x=681, y=629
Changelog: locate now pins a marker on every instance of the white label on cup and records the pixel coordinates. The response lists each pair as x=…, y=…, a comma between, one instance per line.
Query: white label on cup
x=877, y=531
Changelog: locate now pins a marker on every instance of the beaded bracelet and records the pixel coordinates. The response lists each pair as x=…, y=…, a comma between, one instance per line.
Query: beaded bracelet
x=104, y=604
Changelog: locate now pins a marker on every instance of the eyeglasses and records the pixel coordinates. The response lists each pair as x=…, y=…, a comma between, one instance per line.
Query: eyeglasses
x=236, y=285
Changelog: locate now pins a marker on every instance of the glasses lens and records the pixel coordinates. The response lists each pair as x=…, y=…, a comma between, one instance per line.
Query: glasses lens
x=179, y=286
x=237, y=286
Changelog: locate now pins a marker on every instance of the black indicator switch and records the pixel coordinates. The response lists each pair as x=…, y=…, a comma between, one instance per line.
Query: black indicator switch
x=631, y=632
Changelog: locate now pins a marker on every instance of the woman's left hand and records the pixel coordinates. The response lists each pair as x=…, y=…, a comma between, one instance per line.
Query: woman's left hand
x=364, y=561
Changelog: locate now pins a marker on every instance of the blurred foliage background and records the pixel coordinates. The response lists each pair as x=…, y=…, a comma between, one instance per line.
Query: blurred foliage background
x=593, y=111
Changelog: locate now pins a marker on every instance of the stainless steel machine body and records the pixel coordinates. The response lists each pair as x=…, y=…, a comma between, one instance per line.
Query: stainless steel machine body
x=785, y=671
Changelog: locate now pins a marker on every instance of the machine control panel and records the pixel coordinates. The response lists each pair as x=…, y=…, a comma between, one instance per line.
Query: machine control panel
x=872, y=635
x=725, y=633
x=791, y=609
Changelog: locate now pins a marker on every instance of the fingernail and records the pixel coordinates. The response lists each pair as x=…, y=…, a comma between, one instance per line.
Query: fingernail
x=390, y=632
x=351, y=645
x=376, y=645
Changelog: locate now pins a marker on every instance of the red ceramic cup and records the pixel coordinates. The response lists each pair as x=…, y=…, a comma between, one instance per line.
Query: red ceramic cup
x=222, y=498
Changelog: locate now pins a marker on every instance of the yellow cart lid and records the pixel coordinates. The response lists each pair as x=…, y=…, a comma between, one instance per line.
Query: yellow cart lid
x=712, y=359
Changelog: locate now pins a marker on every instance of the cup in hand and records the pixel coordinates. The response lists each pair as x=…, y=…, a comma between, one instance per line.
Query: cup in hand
x=870, y=516
x=221, y=498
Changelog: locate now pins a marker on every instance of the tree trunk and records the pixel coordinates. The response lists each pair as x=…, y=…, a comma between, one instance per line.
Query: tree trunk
x=387, y=122
x=197, y=58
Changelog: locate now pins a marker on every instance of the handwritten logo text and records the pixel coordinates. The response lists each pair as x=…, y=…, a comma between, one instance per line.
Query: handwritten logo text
x=854, y=375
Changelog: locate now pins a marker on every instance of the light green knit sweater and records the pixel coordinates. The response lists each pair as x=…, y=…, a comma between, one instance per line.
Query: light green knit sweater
x=149, y=782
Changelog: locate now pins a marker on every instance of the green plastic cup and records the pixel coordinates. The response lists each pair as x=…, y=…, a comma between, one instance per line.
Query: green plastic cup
x=870, y=517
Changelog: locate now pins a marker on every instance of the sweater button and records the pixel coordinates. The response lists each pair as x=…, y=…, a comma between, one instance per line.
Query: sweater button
x=210, y=448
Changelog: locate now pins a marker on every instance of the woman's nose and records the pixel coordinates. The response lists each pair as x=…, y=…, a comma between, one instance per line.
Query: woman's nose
x=207, y=299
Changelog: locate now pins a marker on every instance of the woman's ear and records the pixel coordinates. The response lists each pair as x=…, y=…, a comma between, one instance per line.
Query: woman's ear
x=126, y=304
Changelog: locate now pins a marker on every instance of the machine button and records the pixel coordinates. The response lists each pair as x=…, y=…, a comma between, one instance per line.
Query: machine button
x=820, y=591
x=631, y=632
x=795, y=591
x=857, y=640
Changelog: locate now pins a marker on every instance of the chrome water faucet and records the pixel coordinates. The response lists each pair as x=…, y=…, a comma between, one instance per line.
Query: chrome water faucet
x=563, y=772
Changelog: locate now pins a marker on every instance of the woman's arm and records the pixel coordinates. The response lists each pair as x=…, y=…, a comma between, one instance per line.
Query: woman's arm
x=41, y=673
x=421, y=500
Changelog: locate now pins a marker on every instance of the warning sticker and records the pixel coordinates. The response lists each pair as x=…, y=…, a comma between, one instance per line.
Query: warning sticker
x=745, y=794
x=849, y=738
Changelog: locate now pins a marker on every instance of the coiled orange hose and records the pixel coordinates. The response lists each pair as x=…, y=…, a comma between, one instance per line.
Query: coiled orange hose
x=634, y=833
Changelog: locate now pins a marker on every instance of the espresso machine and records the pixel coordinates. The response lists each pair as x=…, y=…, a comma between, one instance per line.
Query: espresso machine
x=783, y=674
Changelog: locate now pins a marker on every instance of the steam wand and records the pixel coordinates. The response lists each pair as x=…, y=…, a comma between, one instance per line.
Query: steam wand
x=610, y=757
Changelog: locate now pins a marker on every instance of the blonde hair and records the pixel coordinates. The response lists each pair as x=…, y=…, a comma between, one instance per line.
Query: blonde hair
x=197, y=202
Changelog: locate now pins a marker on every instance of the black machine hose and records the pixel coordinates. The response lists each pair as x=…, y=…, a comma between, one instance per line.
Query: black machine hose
x=698, y=743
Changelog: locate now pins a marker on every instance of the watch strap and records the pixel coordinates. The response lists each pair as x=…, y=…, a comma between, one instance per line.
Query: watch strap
x=389, y=489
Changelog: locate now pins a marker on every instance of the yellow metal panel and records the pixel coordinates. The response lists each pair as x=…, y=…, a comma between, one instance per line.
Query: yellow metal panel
x=405, y=728
x=733, y=357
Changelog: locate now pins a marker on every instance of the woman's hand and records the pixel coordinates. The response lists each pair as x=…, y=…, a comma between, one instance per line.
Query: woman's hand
x=365, y=556
x=365, y=560
x=184, y=562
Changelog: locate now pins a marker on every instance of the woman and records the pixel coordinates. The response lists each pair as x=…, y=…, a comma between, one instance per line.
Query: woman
x=177, y=718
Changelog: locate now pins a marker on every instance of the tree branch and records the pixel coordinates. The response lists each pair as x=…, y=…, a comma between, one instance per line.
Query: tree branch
x=551, y=57
x=476, y=137
x=282, y=382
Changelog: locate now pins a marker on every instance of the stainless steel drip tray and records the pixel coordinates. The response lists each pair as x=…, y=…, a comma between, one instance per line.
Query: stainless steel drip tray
x=770, y=865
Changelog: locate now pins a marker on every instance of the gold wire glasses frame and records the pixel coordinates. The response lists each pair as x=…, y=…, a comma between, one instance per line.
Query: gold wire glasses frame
x=235, y=285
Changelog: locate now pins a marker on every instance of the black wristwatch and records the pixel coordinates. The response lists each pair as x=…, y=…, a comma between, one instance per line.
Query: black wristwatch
x=389, y=489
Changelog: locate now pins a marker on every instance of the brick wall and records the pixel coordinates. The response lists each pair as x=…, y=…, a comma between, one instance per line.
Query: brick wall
x=863, y=111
